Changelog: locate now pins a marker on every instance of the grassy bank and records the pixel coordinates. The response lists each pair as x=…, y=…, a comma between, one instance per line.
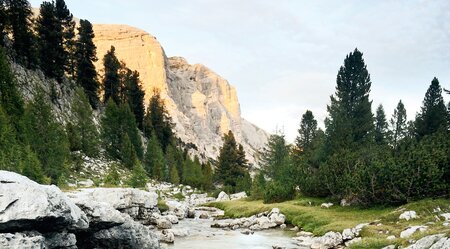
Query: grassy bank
x=307, y=214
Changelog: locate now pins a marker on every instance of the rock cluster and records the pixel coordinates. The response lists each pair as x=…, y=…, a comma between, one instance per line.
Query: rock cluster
x=38, y=216
x=260, y=221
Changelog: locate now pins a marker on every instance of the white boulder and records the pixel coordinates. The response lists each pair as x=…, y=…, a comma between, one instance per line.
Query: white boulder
x=426, y=242
x=409, y=231
x=223, y=197
x=408, y=215
x=326, y=205
x=238, y=196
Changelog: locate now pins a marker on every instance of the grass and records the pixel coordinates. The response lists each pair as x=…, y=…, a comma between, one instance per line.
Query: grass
x=307, y=214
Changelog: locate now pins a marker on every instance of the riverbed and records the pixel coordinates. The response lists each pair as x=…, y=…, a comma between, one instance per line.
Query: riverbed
x=202, y=236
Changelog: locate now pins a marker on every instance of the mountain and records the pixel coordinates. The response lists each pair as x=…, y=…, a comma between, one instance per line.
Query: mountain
x=202, y=104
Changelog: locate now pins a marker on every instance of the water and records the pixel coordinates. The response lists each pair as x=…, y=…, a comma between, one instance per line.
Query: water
x=202, y=236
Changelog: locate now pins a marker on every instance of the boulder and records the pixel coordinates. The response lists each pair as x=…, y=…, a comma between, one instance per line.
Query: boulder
x=203, y=215
x=238, y=196
x=351, y=233
x=131, y=235
x=442, y=243
x=60, y=240
x=353, y=241
x=409, y=231
x=167, y=236
x=86, y=183
x=408, y=215
x=100, y=215
x=426, y=242
x=27, y=240
x=172, y=218
x=223, y=197
x=276, y=217
x=446, y=216
x=304, y=241
x=178, y=208
x=180, y=232
x=163, y=223
x=326, y=205
x=329, y=240
x=27, y=205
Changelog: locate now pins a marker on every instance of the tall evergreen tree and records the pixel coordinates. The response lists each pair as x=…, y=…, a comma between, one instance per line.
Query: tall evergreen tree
x=133, y=94
x=50, y=42
x=111, y=79
x=399, y=127
x=85, y=56
x=154, y=159
x=82, y=132
x=350, y=121
x=46, y=137
x=433, y=114
x=10, y=98
x=381, y=126
x=24, y=42
x=157, y=120
x=307, y=131
x=9, y=156
x=3, y=22
x=67, y=23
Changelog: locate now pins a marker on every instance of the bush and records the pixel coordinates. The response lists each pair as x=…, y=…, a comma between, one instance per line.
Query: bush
x=138, y=176
x=277, y=192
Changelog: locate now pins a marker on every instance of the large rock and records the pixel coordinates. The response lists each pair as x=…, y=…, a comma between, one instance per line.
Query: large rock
x=329, y=240
x=101, y=215
x=223, y=197
x=137, y=203
x=410, y=230
x=276, y=217
x=408, y=215
x=131, y=235
x=426, y=242
x=29, y=240
x=60, y=240
x=202, y=104
x=26, y=205
x=179, y=209
x=441, y=244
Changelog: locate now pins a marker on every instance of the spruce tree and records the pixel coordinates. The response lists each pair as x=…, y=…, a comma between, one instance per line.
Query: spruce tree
x=154, y=159
x=67, y=23
x=207, y=176
x=85, y=56
x=398, y=123
x=138, y=176
x=158, y=121
x=111, y=79
x=307, y=131
x=350, y=121
x=134, y=95
x=433, y=114
x=9, y=154
x=381, y=126
x=19, y=15
x=31, y=166
x=50, y=42
x=82, y=131
x=10, y=98
x=46, y=137
x=128, y=154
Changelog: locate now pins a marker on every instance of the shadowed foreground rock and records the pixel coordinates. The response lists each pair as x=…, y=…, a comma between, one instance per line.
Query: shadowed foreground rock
x=39, y=216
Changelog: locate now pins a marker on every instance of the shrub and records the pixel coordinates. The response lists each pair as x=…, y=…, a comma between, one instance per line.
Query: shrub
x=277, y=192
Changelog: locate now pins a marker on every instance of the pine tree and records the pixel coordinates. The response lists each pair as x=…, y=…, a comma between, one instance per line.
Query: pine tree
x=154, y=159
x=307, y=131
x=398, y=124
x=19, y=15
x=67, y=23
x=31, y=167
x=158, y=121
x=113, y=177
x=350, y=121
x=3, y=22
x=85, y=56
x=138, y=176
x=128, y=154
x=50, y=42
x=433, y=114
x=9, y=156
x=10, y=98
x=111, y=79
x=231, y=163
x=134, y=95
x=46, y=137
x=207, y=176
x=172, y=164
x=82, y=132
x=381, y=126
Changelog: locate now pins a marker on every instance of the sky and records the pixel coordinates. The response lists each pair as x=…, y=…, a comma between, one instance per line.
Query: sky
x=283, y=56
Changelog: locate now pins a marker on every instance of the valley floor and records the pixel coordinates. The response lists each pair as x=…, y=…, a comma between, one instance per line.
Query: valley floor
x=384, y=222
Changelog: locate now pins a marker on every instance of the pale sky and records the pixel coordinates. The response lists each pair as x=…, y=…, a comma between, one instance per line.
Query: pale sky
x=283, y=56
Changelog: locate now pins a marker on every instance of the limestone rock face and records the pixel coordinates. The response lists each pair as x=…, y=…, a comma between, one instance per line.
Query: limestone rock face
x=202, y=104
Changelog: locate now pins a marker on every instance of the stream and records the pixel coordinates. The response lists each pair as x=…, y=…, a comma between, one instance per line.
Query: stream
x=202, y=236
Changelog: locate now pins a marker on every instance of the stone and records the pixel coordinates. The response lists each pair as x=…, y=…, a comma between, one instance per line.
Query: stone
x=27, y=205
x=100, y=215
x=283, y=226
x=304, y=234
x=163, y=223
x=426, y=242
x=353, y=241
x=167, y=236
x=203, y=215
x=392, y=237
x=326, y=205
x=172, y=218
x=446, y=216
x=443, y=243
x=179, y=209
x=86, y=183
x=223, y=197
x=304, y=241
x=180, y=232
x=131, y=235
x=344, y=203
x=238, y=196
x=27, y=240
x=328, y=240
x=190, y=214
x=408, y=215
x=277, y=218
x=295, y=229
x=61, y=240
x=409, y=231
